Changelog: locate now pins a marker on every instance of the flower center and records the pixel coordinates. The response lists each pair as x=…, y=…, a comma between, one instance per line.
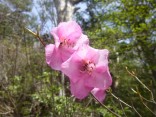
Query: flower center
x=67, y=43
x=88, y=67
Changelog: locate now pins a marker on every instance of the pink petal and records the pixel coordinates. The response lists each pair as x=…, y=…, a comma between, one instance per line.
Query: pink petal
x=53, y=57
x=71, y=68
x=99, y=94
x=65, y=53
x=103, y=60
x=81, y=52
x=79, y=90
x=55, y=35
x=101, y=77
x=100, y=80
x=69, y=30
x=108, y=79
x=88, y=53
x=92, y=54
x=83, y=40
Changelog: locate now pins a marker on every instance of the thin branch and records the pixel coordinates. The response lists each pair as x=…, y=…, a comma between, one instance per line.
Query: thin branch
x=122, y=108
x=122, y=101
x=37, y=36
x=119, y=99
x=88, y=102
x=117, y=115
x=145, y=104
x=133, y=74
x=151, y=101
x=136, y=110
x=10, y=97
x=148, y=108
x=4, y=109
x=5, y=113
x=148, y=100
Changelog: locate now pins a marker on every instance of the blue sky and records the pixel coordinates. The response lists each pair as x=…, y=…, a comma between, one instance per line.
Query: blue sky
x=48, y=26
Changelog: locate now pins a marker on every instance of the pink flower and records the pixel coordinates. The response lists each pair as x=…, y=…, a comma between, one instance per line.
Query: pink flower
x=79, y=90
x=68, y=38
x=87, y=68
x=99, y=94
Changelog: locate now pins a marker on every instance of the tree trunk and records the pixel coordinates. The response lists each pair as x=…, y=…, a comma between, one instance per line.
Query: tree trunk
x=64, y=9
x=64, y=12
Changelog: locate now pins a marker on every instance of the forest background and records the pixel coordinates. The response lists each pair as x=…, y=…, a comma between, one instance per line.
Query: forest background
x=30, y=88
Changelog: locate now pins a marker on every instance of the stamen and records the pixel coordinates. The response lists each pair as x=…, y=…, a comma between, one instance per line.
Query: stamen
x=67, y=43
x=87, y=67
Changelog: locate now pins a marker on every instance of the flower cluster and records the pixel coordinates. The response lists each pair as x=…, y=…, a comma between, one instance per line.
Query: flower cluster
x=86, y=67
